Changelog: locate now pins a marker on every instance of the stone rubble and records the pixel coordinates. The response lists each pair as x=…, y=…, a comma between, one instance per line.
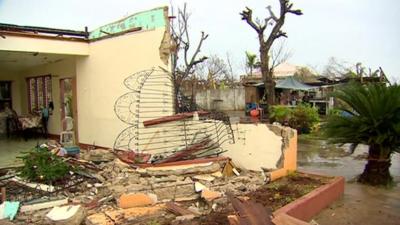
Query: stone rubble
x=137, y=194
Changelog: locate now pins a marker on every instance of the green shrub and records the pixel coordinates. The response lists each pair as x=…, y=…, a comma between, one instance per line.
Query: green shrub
x=304, y=118
x=280, y=113
x=40, y=165
x=334, y=111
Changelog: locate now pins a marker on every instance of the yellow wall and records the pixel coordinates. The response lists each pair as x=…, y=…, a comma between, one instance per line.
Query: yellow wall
x=100, y=79
x=255, y=147
x=28, y=44
x=15, y=87
x=58, y=70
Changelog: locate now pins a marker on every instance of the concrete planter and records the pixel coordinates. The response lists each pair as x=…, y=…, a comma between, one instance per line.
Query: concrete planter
x=308, y=206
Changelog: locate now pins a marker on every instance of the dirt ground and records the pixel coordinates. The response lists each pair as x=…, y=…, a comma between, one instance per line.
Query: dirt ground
x=272, y=196
x=361, y=204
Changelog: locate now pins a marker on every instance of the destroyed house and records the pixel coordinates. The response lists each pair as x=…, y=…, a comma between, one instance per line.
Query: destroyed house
x=112, y=88
x=80, y=74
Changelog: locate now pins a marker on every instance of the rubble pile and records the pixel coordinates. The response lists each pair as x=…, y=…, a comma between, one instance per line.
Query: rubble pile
x=115, y=192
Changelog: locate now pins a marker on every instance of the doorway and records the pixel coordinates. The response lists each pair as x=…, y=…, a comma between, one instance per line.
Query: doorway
x=68, y=105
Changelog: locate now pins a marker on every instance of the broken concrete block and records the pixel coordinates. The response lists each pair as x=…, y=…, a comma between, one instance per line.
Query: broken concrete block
x=204, y=177
x=199, y=186
x=175, y=192
x=43, y=205
x=195, y=210
x=68, y=215
x=210, y=195
x=120, y=216
x=217, y=174
x=202, y=168
x=100, y=155
x=185, y=217
x=138, y=199
x=98, y=219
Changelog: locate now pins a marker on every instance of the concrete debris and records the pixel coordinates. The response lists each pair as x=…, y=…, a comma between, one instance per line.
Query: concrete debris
x=134, y=200
x=66, y=215
x=204, y=168
x=114, y=192
x=210, y=195
x=185, y=217
x=204, y=177
x=123, y=215
x=198, y=187
x=98, y=219
x=43, y=205
x=99, y=155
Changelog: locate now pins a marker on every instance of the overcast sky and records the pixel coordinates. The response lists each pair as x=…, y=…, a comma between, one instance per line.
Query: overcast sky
x=366, y=31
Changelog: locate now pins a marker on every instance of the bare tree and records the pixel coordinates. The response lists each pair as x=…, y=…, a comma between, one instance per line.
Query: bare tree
x=266, y=41
x=230, y=76
x=278, y=55
x=337, y=68
x=184, y=63
x=213, y=70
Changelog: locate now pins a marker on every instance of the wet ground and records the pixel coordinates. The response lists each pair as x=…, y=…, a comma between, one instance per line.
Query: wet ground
x=360, y=204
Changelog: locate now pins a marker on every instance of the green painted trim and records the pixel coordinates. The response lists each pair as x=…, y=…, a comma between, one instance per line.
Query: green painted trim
x=147, y=20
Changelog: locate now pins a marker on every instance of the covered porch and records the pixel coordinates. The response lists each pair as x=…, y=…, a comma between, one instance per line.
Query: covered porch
x=37, y=84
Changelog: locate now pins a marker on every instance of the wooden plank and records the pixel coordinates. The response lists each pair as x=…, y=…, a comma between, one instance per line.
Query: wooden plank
x=250, y=212
x=184, y=162
x=233, y=220
x=186, y=152
x=176, y=117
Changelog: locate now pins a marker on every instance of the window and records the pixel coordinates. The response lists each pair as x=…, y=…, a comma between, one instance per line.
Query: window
x=39, y=92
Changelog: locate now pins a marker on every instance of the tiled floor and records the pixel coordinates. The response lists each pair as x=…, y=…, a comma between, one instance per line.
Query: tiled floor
x=10, y=148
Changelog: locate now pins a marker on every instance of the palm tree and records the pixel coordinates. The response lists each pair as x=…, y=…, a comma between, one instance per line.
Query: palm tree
x=373, y=119
x=251, y=61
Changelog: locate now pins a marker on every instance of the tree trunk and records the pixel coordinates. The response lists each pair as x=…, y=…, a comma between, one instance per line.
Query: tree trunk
x=376, y=172
x=269, y=84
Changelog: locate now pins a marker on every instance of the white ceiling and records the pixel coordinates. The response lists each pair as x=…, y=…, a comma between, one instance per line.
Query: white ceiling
x=17, y=61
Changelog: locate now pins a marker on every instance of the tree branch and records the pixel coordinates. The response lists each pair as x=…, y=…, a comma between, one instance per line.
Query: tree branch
x=247, y=15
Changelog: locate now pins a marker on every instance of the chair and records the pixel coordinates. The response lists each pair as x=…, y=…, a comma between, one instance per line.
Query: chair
x=14, y=126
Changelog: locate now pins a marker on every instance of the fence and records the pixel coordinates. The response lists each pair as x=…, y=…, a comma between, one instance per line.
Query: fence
x=222, y=99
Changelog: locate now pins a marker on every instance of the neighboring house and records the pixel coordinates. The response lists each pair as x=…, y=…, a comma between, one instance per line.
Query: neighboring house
x=42, y=65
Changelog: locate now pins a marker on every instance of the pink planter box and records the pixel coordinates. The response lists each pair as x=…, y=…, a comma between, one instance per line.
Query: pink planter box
x=306, y=207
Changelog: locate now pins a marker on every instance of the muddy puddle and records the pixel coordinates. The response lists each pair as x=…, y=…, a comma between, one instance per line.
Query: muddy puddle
x=320, y=156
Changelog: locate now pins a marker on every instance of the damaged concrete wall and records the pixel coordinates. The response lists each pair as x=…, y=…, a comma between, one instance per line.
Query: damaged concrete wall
x=101, y=76
x=261, y=146
x=147, y=20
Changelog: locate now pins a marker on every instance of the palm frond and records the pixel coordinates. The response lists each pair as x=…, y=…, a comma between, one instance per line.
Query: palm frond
x=374, y=111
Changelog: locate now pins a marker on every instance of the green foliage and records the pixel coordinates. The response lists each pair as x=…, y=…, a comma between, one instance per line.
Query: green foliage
x=40, y=165
x=373, y=117
x=303, y=117
x=334, y=111
x=280, y=114
x=251, y=61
